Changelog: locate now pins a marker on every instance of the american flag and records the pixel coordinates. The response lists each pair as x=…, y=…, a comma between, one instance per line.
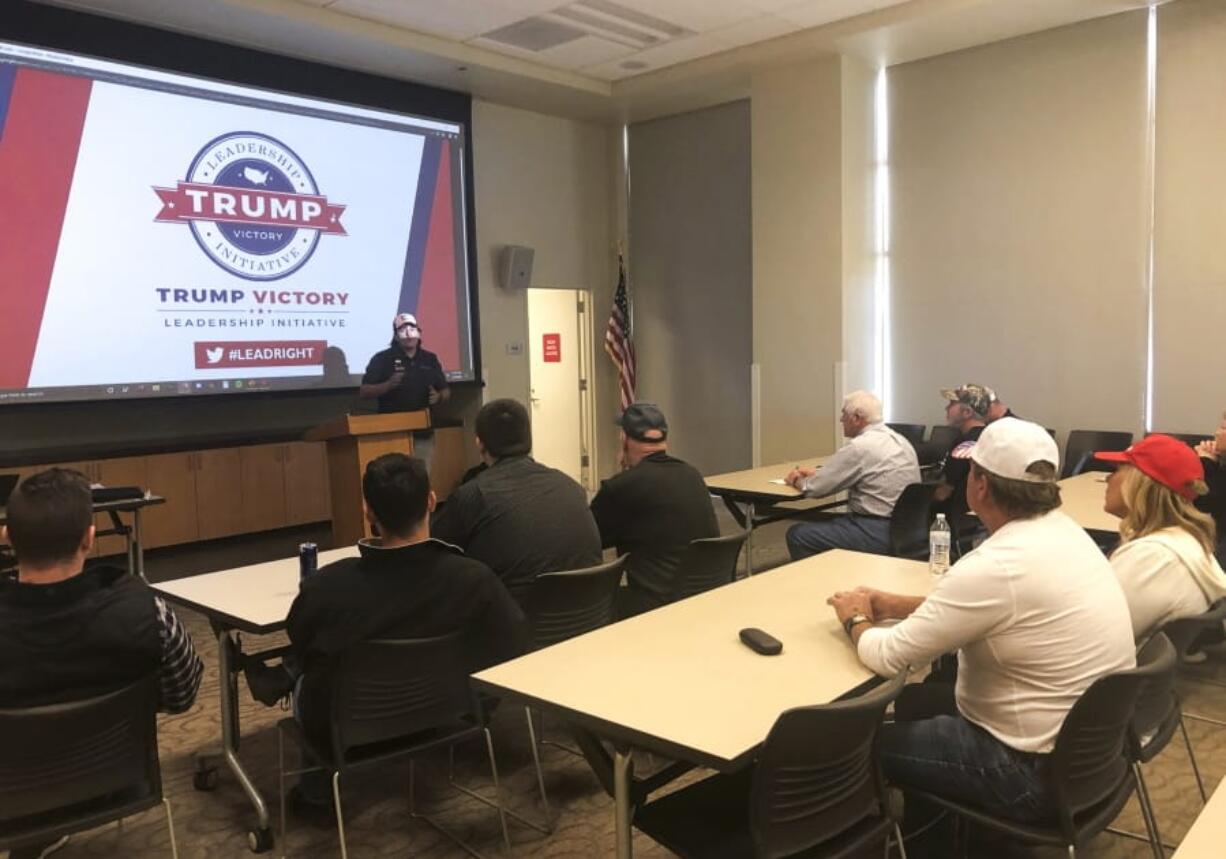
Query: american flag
x=617, y=338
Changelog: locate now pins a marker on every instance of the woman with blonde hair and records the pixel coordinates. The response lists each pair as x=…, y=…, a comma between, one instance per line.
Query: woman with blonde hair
x=1165, y=563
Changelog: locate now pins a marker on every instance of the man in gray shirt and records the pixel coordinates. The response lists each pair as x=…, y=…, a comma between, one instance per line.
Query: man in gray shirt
x=874, y=469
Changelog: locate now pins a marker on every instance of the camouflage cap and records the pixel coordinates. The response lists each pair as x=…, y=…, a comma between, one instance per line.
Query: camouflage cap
x=976, y=397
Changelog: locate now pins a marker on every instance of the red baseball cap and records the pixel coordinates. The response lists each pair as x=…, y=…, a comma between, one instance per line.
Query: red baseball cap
x=1167, y=460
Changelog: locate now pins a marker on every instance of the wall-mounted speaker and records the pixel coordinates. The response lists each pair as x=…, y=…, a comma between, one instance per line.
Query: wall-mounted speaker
x=517, y=267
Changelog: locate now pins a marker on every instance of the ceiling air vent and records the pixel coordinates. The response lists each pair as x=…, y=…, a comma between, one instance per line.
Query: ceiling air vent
x=535, y=34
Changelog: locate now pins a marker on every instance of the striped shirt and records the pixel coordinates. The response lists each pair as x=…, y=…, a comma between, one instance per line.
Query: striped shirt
x=179, y=677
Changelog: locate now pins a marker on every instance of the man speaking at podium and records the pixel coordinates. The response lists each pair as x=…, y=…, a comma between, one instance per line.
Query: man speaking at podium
x=406, y=378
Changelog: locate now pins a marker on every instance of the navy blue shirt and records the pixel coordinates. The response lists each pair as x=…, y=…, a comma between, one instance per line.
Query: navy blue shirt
x=422, y=372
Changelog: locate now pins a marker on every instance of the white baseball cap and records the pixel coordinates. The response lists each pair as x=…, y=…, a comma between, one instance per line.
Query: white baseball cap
x=1009, y=446
x=404, y=319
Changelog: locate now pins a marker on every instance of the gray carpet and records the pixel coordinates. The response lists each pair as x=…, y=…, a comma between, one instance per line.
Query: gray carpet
x=215, y=824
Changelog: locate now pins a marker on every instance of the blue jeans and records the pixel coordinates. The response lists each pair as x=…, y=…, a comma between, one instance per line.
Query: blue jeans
x=947, y=755
x=850, y=531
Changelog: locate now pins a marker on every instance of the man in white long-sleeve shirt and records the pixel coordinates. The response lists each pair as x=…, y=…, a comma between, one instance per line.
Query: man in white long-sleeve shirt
x=874, y=468
x=1035, y=614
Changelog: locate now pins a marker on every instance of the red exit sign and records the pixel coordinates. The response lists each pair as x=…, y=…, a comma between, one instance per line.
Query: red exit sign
x=552, y=348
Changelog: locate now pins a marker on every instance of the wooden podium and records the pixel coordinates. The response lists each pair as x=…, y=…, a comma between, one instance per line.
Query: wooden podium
x=353, y=441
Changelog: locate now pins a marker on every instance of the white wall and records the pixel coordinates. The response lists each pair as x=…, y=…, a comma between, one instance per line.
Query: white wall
x=1020, y=225
x=543, y=182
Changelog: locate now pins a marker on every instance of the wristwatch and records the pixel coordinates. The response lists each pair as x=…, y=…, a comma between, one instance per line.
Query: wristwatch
x=854, y=621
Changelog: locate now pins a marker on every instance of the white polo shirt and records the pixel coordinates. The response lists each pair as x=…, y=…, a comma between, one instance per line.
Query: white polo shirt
x=1036, y=615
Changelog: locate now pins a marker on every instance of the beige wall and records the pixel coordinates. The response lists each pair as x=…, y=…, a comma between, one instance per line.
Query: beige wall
x=691, y=273
x=1190, y=217
x=1020, y=225
x=797, y=248
x=543, y=182
x=859, y=261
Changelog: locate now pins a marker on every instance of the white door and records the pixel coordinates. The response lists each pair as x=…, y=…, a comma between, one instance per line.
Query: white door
x=556, y=363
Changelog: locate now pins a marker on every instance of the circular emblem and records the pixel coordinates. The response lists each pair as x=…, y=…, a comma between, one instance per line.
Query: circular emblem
x=265, y=186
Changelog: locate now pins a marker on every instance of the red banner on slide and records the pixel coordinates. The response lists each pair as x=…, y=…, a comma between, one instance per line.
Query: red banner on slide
x=196, y=201
x=221, y=355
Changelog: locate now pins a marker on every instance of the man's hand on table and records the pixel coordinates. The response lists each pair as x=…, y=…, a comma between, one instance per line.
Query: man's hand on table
x=799, y=473
x=886, y=605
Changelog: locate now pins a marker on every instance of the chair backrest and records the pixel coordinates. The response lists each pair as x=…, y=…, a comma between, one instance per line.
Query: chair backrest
x=913, y=433
x=386, y=689
x=911, y=521
x=1191, y=439
x=819, y=774
x=1088, y=764
x=1183, y=632
x=565, y=604
x=1156, y=715
x=943, y=436
x=706, y=564
x=1080, y=447
x=61, y=755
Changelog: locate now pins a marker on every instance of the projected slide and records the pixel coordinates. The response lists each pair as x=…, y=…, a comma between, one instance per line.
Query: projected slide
x=162, y=235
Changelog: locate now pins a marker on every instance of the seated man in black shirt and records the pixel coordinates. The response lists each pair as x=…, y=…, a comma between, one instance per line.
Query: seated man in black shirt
x=403, y=585
x=518, y=516
x=966, y=410
x=67, y=633
x=652, y=510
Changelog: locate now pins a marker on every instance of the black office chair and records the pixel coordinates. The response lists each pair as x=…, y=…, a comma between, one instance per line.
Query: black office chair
x=1154, y=722
x=911, y=521
x=815, y=790
x=564, y=604
x=559, y=606
x=1183, y=633
x=1081, y=445
x=1190, y=439
x=942, y=436
x=1088, y=772
x=913, y=433
x=394, y=699
x=66, y=768
x=706, y=564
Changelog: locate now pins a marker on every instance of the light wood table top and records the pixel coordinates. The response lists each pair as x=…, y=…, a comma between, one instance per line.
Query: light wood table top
x=678, y=679
x=1082, y=499
x=254, y=599
x=1207, y=837
x=755, y=483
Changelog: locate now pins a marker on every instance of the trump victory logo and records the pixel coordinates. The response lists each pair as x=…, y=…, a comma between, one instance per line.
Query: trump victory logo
x=252, y=206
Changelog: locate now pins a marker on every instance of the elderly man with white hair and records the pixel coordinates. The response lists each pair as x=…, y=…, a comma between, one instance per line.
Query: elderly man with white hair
x=874, y=468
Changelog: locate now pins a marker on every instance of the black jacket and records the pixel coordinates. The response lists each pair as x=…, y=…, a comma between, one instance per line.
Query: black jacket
x=522, y=519
x=652, y=511
x=417, y=591
x=73, y=639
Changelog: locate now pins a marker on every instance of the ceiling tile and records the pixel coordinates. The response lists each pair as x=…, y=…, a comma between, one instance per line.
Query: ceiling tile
x=589, y=50
x=696, y=15
x=679, y=51
x=449, y=19
x=754, y=30
x=815, y=13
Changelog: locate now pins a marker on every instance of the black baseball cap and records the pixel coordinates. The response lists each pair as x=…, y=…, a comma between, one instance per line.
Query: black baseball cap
x=641, y=418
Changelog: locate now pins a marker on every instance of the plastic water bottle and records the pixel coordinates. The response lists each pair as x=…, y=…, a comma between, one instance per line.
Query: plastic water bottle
x=938, y=546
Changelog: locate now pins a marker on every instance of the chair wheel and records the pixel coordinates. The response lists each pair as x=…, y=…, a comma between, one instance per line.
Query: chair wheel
x=259, y=840
x=205, y=779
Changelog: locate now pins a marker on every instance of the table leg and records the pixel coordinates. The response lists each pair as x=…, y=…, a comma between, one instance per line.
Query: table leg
x=136, y=561
x=623, y=773
x=230, y=725
x=749, y=518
